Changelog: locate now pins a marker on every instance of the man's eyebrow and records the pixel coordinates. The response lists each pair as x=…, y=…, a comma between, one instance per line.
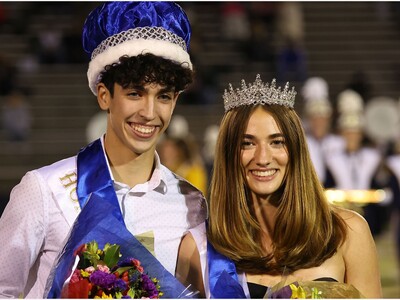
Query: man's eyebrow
x=138, y=87
x=167, y=89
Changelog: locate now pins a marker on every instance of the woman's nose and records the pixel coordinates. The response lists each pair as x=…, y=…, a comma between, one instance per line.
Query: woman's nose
x=263, y=155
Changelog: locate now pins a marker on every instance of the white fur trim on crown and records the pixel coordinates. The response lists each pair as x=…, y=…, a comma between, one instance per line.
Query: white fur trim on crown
x=132, y=48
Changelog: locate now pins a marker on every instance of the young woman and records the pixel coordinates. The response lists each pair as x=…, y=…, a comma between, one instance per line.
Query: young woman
x=269, y=221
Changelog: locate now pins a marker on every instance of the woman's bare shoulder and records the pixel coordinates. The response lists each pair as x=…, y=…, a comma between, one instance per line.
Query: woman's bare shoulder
x=353, y=219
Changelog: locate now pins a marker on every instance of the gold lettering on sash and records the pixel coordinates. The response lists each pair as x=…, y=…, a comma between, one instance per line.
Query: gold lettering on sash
x=68, y=181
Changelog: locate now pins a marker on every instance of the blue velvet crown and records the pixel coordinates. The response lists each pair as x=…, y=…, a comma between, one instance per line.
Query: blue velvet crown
x=115, y=29
x=114, y=17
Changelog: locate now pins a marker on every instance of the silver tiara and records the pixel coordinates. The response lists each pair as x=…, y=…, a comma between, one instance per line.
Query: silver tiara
x=259, y=93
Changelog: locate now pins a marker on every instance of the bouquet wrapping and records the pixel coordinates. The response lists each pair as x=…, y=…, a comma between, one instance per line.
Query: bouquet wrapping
x=313, y=290
x=100, y=273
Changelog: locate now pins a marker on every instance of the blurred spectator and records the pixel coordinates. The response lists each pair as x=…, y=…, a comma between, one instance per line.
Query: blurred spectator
x=382, y=121
x=360, y=165
x=318, y=114
x=178, y=127
x=50, y=45
x=291, y=58
x=291, y=62
x=17, y=116
x=235, y=25
x=179, y=155
x=290, y=21
x=208, y=150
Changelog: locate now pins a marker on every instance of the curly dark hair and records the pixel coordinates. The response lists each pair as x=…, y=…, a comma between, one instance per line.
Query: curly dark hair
x=144, y=69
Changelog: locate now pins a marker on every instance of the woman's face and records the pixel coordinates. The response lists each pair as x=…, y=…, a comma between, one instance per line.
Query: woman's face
x=263, y=156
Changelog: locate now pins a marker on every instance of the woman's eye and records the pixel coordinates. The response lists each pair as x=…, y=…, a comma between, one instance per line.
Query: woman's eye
x=278, y=142
x=246, y=144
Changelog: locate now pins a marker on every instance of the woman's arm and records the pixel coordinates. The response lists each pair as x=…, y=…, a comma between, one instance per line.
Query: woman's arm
x=188, y=269
x=360, y=256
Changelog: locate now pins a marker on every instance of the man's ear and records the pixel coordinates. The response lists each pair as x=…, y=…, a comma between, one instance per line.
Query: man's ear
x=103, y=96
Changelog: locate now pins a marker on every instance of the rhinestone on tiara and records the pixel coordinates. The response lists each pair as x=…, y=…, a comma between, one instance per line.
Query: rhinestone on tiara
x=145, y=33
x=258, y=93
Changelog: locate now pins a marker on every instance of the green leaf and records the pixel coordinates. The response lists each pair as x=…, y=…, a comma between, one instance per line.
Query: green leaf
x=92, y=247
x=91, y=254
x=122, y=270
x=111, y=255
x=131, y=293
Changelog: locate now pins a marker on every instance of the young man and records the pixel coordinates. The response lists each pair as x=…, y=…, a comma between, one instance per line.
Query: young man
x=115, y=188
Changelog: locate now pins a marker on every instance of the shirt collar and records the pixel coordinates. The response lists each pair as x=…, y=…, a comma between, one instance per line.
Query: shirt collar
x=157, y=181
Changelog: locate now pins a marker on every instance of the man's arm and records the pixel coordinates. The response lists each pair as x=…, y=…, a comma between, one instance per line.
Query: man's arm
x=21, y=235
x=188, y=270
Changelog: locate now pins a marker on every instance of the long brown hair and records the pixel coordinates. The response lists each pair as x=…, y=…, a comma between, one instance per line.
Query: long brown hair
x=307, y=231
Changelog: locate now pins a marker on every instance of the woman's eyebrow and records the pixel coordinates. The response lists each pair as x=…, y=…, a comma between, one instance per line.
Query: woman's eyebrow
x=271, y=136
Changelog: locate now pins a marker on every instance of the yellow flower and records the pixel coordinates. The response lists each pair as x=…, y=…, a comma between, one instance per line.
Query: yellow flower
x=84, y=273
x=103, y=296
x=297, y=292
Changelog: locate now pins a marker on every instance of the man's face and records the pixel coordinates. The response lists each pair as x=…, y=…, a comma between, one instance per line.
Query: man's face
x=319, y=126
x=137, y=116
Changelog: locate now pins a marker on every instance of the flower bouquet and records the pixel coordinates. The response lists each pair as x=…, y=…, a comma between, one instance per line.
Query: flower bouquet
x=313, y=290
x=100, y=273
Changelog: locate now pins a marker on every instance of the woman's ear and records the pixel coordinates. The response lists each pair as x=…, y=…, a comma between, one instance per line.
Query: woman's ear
x=103, y=96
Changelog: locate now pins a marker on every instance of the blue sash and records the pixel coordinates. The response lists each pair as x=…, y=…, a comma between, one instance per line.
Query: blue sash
x=223, y=278
x=100, y=219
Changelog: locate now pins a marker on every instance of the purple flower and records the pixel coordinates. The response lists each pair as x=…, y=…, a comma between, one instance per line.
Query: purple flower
x=149, y=286
x=125, y=262
x=120, y=285
x=283, y=293
x=103, y=280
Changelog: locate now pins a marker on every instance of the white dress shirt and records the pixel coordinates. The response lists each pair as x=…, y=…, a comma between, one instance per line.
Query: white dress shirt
x=43, y=207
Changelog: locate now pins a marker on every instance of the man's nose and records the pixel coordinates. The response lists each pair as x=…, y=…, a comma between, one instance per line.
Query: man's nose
x=147, y=110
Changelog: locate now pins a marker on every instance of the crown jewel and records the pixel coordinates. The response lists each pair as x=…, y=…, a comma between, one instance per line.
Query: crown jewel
x=258, y=93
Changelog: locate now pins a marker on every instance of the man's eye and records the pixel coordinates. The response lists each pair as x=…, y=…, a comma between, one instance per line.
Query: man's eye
x=133, y=94
x=165, y=97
